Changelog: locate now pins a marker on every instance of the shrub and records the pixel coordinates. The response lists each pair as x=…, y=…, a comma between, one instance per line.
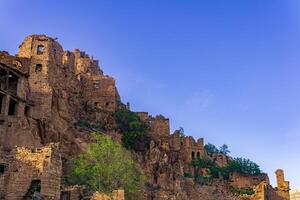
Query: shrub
x=94, y=127
x=187, y=175
x=244, y=166
x=203, y=180
x=242, y=191
x=215, y=171
x=133, y=129
x=210, y=148
x=201, y=163
x=104, y=167
x=224, y=149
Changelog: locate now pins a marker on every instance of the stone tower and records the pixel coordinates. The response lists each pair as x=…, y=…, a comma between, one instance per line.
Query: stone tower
x=283, y=187
x=45, y=55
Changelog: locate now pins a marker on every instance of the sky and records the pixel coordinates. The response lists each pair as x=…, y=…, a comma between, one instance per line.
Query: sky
x=227, y=71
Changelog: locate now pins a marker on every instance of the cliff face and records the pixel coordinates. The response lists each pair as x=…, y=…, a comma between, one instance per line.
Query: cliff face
x=45, y=92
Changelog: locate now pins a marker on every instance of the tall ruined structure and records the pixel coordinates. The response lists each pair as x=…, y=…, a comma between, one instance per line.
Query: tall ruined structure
x=45, y=91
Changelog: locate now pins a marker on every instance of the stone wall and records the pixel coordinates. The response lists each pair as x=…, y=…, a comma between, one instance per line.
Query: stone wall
x=33, y=170
x=101, y=92
x=238, y=180
x=115, y=195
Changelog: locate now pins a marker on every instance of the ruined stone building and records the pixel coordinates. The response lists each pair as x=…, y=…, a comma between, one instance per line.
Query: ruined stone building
x=45, y=91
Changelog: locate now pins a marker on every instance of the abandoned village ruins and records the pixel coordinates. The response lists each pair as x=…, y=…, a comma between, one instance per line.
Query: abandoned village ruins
x=45, y=90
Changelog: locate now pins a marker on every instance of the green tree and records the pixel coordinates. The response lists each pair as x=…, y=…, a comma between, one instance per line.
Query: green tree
x=134, y=130
x=244, y=166
x=210, y=148
x=224, y=149
x=106, y=166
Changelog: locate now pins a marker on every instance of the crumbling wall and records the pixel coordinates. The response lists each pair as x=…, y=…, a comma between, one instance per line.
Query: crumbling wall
x=159, y=127
x=86, y=65
x=115, y=195
x=101, y=92
x=44, y=54
x=220, y=159
x=283, y=186
x=238, y=180
x=191, y=149
x=42, y=166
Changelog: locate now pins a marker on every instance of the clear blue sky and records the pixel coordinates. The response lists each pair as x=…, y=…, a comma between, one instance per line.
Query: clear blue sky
x=228, y=71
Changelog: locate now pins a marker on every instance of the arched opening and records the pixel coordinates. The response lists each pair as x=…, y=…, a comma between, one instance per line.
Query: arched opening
x=35, y=188
x=198, y=155
x=193, y=155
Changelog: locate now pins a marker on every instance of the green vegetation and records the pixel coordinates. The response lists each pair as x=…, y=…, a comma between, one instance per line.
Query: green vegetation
x=133, y=129
x=201, y=163
x=241, y=165
x=106, y=166
x=211, y=149
x=99, y=127
x=242, y=191
x=244, y=166
x=224, y=149
x=187, y=175
x=203, y=180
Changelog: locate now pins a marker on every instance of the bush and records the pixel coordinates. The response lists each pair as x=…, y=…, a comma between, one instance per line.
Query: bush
x=224, y=149
x=134, y=131
x=94, y=127
x=104, y=167
x=242, y=191
x=210, y=148
x=201, y=163
x=202, y=180
x=241, y=165
x=244, y=166
x=187, y=175
x=215, y=171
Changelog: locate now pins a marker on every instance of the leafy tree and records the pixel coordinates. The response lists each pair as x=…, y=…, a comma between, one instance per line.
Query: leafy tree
x=244, y=166
x=210, y=148
x=106, y=166
x=224, y=149
x=133, y=129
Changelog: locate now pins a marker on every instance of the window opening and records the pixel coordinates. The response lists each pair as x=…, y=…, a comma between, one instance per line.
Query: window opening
x=40, y=49
x=12, y=107
x=38, y=67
